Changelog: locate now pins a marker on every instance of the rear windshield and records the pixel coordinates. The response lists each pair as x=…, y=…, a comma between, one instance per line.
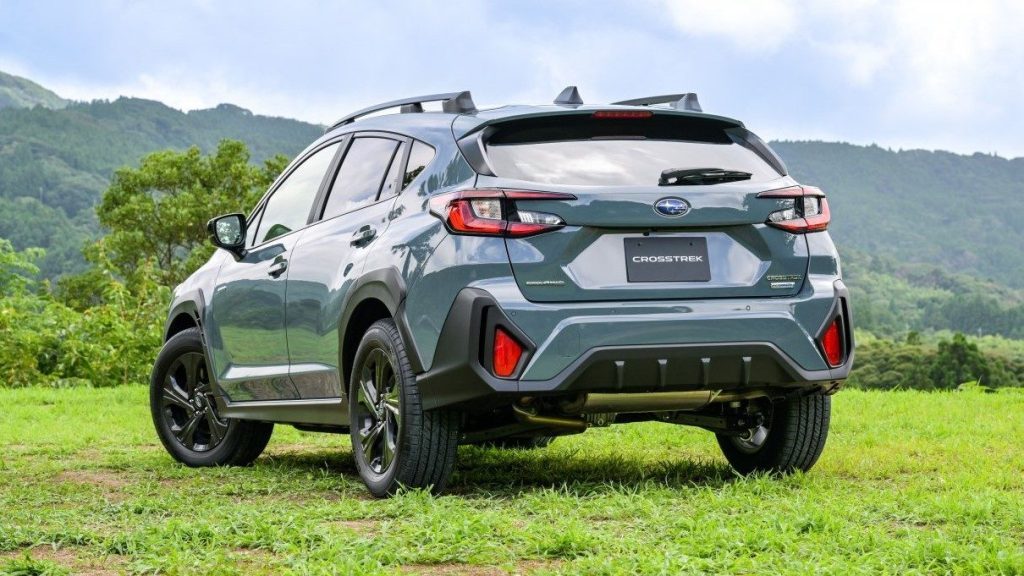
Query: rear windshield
x=579, y=150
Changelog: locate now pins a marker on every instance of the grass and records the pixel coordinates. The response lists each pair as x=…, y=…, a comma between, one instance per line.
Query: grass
x=909, y=483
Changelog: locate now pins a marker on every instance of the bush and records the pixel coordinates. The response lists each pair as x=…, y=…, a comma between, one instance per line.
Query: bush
x=48, y=342
x=942, y=365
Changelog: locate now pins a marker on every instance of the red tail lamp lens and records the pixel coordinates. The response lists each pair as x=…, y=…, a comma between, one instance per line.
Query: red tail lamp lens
x=809, y=211
x=493, y=212
x=463, y=218
x=832, y=344
x=506, y=353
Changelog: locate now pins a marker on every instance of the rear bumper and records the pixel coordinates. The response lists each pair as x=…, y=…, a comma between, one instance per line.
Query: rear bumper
x=637, y=346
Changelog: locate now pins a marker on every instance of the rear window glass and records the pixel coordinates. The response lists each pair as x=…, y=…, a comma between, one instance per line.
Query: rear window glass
x=596, y=152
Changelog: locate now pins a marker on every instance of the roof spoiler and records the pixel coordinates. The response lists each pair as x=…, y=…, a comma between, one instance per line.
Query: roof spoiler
x=687, y=101
x=451, y=102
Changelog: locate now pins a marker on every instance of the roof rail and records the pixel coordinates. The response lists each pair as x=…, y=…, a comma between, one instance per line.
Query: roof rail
x=687, y=101
x=451, y=102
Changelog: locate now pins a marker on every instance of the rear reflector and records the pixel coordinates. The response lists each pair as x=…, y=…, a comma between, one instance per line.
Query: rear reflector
x=506, y=353
x=832, y=343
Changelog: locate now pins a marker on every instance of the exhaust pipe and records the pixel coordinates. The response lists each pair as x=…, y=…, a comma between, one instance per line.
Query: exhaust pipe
x=548, y=421
x=641, y=402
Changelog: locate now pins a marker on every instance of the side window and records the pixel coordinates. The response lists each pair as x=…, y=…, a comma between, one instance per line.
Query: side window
x=361, y=174
x=390, y=187
x=419, y=157
x=289, y=205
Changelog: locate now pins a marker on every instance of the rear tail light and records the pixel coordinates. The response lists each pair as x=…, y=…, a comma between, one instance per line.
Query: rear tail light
x=507, y=352
x=832, y=342
x=806, y=209
x=491, y=212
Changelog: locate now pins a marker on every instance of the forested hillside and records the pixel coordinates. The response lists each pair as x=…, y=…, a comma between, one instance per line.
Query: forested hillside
x=55, y=164
x=17, y=92
x=959, y=213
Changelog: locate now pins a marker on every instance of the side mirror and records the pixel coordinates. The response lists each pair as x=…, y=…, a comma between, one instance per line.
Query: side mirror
x=228, y=232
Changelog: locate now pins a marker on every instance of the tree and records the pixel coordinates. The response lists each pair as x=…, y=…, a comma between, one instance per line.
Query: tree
x=17, y=269
x=959, y=361
x=159, y=210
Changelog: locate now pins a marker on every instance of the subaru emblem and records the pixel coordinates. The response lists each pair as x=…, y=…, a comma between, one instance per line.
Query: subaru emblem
x=672, y=207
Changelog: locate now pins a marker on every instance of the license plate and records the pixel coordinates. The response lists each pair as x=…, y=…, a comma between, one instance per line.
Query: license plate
x=667, y=259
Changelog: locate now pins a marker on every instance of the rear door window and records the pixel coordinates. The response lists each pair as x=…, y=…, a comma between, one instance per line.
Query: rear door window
x=362, y=174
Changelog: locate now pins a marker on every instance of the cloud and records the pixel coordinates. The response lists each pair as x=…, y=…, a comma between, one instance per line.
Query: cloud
x=751, y=25
x=903, y=73
x=940, y=73
x=192, y=91
x=933, y=58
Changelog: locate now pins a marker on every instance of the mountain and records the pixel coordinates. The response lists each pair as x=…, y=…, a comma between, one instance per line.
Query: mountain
x=18, y=92
x=56, y=163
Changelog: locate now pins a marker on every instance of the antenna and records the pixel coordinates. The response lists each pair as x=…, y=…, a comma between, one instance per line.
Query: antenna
x=688, y=102
x=570, y=96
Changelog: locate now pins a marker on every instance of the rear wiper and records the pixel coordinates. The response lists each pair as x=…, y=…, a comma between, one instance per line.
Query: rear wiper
x=695, y=176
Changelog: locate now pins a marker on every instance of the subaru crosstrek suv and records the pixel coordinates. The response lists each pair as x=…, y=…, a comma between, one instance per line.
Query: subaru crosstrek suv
x=424, y=279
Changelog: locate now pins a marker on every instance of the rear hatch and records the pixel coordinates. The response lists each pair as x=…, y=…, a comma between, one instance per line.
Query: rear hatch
x=665, y=207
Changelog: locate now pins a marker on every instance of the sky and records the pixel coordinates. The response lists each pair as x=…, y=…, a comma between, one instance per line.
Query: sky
x=900, y=73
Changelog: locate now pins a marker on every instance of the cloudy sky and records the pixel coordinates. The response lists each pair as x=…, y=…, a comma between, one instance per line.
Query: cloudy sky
x=903, y=73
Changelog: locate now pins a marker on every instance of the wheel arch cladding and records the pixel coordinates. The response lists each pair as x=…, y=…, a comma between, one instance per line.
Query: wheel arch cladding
x=179, y=323
x=363, y=316
x=183, y=316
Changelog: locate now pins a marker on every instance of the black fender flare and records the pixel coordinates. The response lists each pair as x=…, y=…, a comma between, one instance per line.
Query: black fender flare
x=193, y=303
x=190, y=303
x=387, y=286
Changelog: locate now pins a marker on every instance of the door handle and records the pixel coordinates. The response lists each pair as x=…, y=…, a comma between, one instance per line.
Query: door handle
x=277, y=268
x=364, y=235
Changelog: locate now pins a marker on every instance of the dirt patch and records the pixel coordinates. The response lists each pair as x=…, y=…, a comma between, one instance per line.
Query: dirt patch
x=365, y=527
x=319, y=497
x=90, y=454
x=98, y=478
x=111, y=484
x=252, y=560
x=70, y=559
x=453, y=570
x=531, y=566
x=522, y=567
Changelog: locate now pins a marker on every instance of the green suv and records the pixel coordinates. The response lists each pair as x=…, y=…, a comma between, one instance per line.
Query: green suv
x=424, y=279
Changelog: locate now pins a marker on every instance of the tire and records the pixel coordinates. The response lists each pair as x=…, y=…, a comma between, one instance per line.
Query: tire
x=792, y=439
x=394, y=441
x=533, y=443
x=181, y=396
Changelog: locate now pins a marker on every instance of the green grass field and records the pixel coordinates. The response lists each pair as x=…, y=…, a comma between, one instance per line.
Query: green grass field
x=909, y=483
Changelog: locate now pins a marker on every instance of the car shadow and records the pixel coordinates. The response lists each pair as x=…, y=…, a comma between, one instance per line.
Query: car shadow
x=489, y=472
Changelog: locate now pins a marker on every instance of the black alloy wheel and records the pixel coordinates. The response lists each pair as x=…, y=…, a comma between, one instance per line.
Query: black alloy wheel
x=395, y=442
x=378, y=411
x=183, y=404
x=188, y=406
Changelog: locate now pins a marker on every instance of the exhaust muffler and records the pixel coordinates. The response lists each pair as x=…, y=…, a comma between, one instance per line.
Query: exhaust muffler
x=640, y=402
